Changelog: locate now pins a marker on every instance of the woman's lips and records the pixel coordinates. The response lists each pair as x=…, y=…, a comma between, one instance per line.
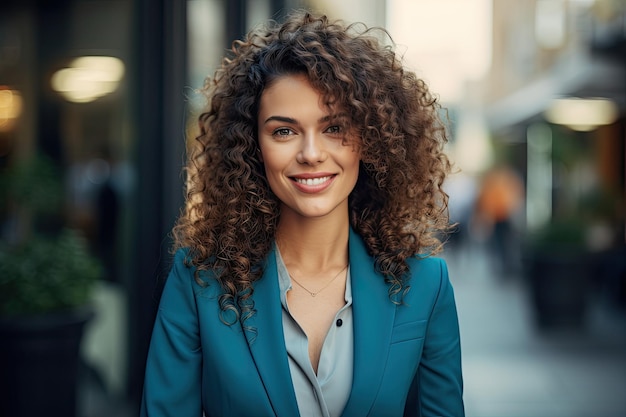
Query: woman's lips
x=312, y=181
x=312, y=184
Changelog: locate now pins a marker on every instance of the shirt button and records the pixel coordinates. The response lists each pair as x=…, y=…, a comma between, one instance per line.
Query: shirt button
x=339, y=322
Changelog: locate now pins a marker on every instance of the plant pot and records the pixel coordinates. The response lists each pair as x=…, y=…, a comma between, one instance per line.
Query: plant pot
x=559, y=286
x=39, y=358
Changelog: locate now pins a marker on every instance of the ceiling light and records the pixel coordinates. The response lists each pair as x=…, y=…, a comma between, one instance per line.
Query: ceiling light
x=582, y=114
x=10, y=108
x=88, y=78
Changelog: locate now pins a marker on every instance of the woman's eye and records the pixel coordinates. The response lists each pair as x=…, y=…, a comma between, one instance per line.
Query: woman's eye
x=283, y=131
x=335, y=130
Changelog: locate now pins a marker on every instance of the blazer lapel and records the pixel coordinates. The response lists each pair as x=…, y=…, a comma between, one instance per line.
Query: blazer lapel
x=374, y=316
x=267, y=342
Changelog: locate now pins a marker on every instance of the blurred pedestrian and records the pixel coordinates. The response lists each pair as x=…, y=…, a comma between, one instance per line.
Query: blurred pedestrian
x=462, y=189
x=499, y=201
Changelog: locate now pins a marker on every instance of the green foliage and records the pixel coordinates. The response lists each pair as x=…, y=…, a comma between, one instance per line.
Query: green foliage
x=43, y=266
x=561, y=233
x=602, y=203
x=46, y=274
x=569, y=148
x=34, y=183
x=40, y=273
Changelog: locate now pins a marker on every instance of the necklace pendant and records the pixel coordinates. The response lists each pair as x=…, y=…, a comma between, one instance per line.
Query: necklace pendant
x=313, y=294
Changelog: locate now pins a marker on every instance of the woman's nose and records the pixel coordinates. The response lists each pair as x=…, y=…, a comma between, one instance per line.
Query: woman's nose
x=312, y=150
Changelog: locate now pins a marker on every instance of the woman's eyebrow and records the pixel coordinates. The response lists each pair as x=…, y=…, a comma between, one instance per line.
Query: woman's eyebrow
x=281, y=119
x=285, y=119
x=331, y=117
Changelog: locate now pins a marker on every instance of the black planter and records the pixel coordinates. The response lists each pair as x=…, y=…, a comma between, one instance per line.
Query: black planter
x=39, y=359
x=559, y=287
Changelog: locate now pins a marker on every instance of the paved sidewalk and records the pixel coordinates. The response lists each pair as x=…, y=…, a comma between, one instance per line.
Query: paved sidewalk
x=513, y=370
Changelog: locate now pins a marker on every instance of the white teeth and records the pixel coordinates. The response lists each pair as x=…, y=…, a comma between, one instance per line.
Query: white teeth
x=312, y=181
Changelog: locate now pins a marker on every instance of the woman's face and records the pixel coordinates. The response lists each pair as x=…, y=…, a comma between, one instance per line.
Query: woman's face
x=311, y=161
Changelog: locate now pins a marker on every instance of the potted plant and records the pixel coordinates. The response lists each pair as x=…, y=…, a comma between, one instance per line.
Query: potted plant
x=557, y=262
x=46, y=278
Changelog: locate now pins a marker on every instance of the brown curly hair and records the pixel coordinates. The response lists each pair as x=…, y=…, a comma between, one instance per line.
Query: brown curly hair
x=397, y=206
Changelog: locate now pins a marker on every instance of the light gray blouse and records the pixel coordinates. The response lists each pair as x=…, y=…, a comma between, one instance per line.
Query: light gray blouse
x=326, y=393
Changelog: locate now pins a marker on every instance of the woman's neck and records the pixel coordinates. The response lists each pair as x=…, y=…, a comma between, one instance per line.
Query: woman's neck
x=313, y=244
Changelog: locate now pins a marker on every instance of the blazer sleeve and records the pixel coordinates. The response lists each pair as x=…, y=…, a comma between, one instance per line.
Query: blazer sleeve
x=440, y=382
x=172, y=385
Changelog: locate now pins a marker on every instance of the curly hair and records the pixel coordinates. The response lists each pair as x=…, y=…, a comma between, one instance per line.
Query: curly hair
x=398, y=206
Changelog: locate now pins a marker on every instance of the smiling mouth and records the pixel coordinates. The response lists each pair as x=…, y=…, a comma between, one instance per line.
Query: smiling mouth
x=312, y=181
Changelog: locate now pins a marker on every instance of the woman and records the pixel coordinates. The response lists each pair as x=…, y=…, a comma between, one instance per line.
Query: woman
x=303, y=281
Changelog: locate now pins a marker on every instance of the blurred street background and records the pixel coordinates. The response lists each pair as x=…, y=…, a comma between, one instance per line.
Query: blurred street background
x=514, y=368
x=98, y=102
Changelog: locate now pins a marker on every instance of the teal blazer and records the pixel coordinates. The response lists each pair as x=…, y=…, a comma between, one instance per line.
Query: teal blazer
x=407, y=358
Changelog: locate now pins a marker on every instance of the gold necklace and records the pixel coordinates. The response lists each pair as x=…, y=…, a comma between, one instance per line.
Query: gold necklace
x=313, y=294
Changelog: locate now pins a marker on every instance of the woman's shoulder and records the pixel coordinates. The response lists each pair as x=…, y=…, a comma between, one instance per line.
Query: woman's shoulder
x=182, y=263
x=427, y=274
x=427, y=264
x=185, y=271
